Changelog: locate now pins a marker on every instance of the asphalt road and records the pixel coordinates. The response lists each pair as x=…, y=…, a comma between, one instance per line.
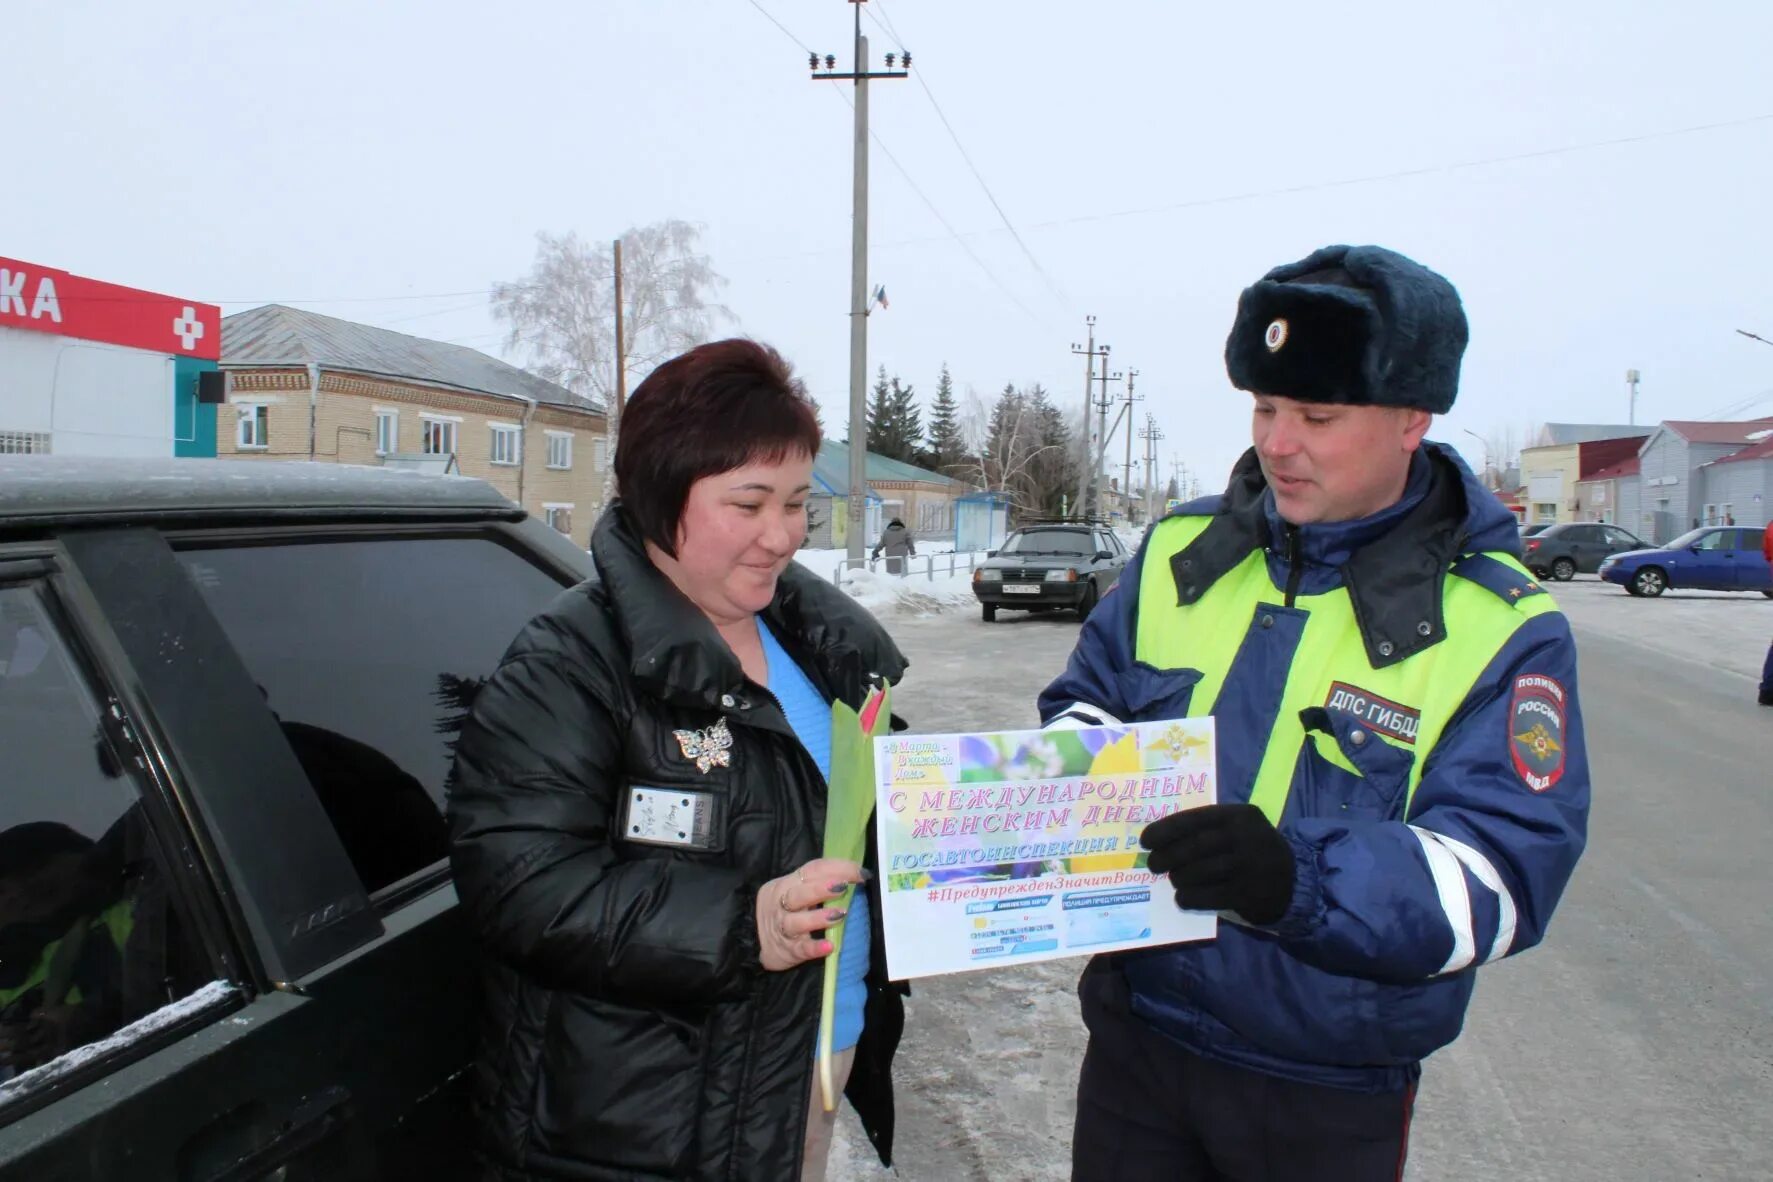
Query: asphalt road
x=1636, y=1043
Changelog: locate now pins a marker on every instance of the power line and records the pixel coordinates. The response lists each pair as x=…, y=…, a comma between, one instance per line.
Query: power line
x=805, y=48
x=905, y=173
x=1403, y=174
x=1052, y=284
x=947, y=225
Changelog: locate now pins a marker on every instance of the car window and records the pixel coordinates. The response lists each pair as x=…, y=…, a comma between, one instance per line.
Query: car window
x=1748, y=539
x=1069, y=543
x=90, y=936
x=369, y=653
x=1618, y=537
x=1718, y=539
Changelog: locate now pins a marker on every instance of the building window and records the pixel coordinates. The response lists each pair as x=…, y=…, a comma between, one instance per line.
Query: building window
x=560, y=450
x=560, y=517
x=600, y=454
x=387, y=432
x=1544, y=512
x=24, y=443
x=439, y=436
x=507, y=444
x=253, y=432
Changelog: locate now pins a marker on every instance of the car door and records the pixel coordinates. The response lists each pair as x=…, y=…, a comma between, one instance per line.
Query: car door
x=1747, y=561
x=1590, y=547
x=1103, y=571
x=1710, y=566
x=1759, y=567
x=108, y=929
x=1619, y=541
x=1122, y=555
x=345, y=1056
x=371, y=672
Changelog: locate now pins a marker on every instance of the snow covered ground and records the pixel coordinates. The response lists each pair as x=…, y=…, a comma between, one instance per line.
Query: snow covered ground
x=1726, y=630
x=936, y=580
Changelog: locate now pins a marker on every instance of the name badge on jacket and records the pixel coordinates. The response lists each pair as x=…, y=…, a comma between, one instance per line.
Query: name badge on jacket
x=669, y=816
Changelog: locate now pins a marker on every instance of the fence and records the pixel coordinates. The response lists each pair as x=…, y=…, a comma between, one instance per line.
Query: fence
x=952, y=563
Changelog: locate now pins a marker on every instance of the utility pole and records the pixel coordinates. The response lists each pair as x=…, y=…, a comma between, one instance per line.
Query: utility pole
x=1126, y=471
x=860, y=75
x=1100, y=453
x=1089, y=353
x=1150, y=433
x=1631, y=383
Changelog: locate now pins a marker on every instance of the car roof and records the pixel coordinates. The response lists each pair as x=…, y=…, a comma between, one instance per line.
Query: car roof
x=81, y=489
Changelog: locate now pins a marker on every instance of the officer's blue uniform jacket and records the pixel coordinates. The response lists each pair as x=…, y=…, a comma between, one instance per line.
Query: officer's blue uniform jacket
x=1351, y=987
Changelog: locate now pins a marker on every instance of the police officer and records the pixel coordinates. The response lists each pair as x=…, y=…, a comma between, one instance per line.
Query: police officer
x=1403, y=791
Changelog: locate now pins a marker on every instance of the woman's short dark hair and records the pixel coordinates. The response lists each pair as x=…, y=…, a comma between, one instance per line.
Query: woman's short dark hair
x=717, y=407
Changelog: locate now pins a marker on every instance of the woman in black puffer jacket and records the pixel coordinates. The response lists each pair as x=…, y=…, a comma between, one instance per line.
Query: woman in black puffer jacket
x=636, y=826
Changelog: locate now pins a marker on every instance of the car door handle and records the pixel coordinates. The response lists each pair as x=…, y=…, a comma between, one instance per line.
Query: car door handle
x=315, y=1119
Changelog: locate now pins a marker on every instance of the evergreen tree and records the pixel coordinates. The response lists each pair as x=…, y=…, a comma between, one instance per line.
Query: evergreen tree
x=880, y=414
x=1001, y=442
x=1054, y=471
x=906, y=435
x=947, y=446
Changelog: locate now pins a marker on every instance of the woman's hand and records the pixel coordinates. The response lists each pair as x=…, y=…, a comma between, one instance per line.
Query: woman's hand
x=791, y=908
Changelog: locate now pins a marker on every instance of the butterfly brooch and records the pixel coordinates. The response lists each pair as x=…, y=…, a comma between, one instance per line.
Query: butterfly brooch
x=710, y=747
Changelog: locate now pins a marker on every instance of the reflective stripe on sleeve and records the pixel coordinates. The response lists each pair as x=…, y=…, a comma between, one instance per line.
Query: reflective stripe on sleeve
x=1485, y=872
x=1078, y=715
x=1449, y=884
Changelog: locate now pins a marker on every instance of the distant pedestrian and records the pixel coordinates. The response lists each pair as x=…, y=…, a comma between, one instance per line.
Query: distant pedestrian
x=1767, y=669
x=897, y=543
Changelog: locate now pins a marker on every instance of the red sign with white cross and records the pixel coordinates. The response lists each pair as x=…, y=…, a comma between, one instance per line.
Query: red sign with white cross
x=43, y=299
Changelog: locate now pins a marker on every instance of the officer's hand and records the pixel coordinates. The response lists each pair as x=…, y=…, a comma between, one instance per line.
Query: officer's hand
x=1224, y=857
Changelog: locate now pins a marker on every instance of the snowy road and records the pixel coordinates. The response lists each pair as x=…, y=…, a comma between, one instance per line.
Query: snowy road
x=1631, y=1046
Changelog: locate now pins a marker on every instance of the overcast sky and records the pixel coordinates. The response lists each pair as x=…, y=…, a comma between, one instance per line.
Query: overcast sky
x=387, y=162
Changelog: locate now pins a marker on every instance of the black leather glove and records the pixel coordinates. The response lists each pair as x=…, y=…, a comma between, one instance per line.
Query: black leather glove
x=1224, y=857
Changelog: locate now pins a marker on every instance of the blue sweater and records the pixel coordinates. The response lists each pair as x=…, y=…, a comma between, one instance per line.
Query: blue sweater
x=809, y=716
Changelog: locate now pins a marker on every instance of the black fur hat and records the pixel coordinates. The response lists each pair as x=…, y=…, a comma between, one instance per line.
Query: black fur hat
x=1359, y=325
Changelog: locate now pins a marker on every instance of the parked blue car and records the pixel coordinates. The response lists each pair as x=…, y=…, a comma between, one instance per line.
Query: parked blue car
x=1711, y=558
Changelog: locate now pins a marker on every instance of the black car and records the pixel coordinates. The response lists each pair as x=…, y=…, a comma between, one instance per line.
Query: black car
x=1562, y=551
x=1048, y=566
x=229, y=943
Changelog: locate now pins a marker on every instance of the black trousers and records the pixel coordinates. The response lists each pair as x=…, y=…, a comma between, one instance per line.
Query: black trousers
x=1150, y=1111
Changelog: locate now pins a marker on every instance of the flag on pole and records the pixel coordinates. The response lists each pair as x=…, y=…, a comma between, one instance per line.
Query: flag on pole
x=880, y=296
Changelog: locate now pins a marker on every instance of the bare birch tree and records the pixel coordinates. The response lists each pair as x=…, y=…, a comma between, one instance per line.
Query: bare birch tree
x=562, y=314
x=1005, y=452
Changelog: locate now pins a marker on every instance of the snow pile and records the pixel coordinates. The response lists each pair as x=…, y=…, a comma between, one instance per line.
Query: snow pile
x=911, y=595
x=169, y=1015
x=914, y=593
